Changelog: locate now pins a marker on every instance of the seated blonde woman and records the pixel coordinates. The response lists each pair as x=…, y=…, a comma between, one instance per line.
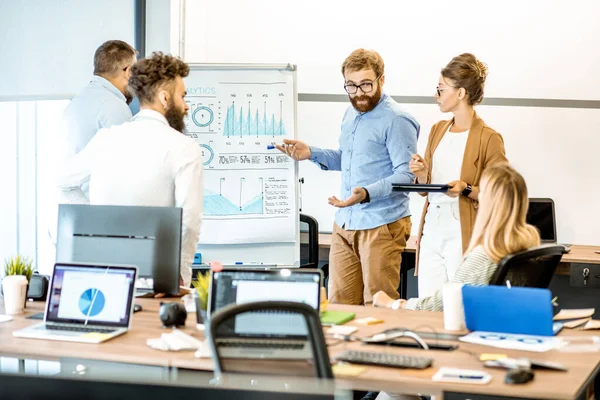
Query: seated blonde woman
x=500, y=229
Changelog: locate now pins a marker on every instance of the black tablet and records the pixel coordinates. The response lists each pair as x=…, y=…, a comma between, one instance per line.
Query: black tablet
x=418, y=187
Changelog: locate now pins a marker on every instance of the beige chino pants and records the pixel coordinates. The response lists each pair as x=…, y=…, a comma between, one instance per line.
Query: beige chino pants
x=363, y=262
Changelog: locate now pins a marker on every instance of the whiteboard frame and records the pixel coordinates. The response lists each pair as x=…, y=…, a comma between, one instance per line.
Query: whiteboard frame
x=273, y=253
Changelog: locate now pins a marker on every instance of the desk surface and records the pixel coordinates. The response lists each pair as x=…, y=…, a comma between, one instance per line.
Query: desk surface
x=578, y=254
x=132, y=348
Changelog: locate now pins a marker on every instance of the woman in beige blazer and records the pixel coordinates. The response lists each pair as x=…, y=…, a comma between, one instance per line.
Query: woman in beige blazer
x=457, y=153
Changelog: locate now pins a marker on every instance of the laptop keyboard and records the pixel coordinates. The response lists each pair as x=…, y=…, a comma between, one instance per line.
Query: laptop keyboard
x=262, y=344
x=84, y=329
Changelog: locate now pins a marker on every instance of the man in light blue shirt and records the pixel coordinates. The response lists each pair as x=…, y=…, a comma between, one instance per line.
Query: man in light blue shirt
x=101, y=104
x=373, y=223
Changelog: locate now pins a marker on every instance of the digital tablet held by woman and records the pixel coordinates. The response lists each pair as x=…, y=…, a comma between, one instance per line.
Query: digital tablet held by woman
x=419, y=187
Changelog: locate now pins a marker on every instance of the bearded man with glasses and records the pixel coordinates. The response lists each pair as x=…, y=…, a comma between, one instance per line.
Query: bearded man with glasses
x=373, y=223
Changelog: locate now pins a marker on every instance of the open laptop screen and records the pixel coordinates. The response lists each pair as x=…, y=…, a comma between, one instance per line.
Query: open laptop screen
x=91, y=294
x=541, y=215
x=242, y=286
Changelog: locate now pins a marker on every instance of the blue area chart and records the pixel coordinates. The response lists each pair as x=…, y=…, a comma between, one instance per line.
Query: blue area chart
x=218, y=205
x=252, y=123
x=91, y=302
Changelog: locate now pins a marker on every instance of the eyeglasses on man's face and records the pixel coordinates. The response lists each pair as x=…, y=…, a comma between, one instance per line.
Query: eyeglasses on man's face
x=365, y=87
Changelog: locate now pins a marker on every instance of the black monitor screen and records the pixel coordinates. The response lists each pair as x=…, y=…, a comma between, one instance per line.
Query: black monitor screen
x=541, y=215
x=147, y=237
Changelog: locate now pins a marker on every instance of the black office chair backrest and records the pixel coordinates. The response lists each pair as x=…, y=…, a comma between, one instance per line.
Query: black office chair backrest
x=309, y=226
x=316, y=339
x=534, y=267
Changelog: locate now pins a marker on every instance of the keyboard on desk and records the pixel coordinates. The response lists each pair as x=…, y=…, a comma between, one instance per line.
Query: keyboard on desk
x=262, y=344
x=86, y=329
x=384, y=359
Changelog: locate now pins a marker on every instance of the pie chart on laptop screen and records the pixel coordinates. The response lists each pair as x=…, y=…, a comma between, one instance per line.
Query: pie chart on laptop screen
x=91, y=302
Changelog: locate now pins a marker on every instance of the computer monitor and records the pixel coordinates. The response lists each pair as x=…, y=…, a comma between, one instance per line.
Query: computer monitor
x=148, y=237
x=541, y=215
x=232, y=286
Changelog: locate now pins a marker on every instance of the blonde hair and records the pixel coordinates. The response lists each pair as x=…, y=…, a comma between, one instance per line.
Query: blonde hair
x=467, y=72
x=501, y=227
x=361, y=59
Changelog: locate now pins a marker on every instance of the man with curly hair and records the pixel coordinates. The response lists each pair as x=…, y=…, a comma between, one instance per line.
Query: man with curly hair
x=148, y=161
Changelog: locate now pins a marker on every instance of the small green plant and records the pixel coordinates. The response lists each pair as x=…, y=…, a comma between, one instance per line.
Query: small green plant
x=18, y=265
x=201, y=284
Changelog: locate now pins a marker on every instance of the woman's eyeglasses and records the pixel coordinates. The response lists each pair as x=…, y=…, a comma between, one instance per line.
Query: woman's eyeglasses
x=439, y=90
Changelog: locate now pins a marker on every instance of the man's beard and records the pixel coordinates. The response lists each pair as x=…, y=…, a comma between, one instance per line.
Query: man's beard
x=128, y=96
x=175, y=117
x=372, y=101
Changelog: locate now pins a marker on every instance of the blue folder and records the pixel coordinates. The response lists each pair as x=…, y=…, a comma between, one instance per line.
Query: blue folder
x=526, y=311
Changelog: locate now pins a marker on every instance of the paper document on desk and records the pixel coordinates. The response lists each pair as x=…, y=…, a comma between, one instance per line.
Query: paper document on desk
x=576, y=322
x=574, y=314
x=5, y=318
x=511, y=341
x=590, y=325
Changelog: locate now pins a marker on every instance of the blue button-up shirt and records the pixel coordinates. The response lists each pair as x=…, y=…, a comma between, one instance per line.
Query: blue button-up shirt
x=375, y=149
x=99, y=105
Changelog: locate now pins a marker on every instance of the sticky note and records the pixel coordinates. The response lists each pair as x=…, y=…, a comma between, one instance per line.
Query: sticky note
x=96, y=335
x=492, y=357
x=368, y=321
x=342, y=330
x=344, y=369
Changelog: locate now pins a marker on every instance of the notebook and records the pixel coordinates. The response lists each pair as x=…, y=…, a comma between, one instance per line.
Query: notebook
x=336, y=317
x=270, y=335
x=86, y=303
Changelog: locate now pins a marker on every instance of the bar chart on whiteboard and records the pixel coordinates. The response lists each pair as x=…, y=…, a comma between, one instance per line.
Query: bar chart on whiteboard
x=249, y=189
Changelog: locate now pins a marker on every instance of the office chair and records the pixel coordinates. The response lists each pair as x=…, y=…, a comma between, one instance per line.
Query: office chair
x=313, y=240
x=530, y=268
x=322, y=365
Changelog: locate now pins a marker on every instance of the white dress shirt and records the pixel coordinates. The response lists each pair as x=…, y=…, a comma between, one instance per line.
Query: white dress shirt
x=143, y=162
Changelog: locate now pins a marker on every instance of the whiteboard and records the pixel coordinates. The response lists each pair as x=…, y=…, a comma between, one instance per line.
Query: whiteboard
x=237, y=112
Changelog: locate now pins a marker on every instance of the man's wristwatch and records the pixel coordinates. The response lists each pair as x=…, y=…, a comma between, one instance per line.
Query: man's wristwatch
x=467, y=191
x=367, y=199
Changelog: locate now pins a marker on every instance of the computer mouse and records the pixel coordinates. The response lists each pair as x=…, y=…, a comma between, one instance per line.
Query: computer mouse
x=136, y=308
x=518, y=376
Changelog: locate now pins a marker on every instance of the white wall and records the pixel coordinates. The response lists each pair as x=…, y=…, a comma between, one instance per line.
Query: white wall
x=47, y=53
x=48, y=46
x=535, y=49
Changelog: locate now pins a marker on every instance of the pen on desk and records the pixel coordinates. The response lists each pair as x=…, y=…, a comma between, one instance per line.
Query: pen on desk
x=459, y=376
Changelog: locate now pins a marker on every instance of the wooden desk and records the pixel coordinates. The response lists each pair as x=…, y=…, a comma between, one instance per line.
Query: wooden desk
x=132, y=348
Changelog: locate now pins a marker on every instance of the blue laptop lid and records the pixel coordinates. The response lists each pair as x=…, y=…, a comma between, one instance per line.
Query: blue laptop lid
x=500, y=309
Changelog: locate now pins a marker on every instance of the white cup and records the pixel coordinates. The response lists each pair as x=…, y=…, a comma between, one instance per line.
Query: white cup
x=454, y=314
x=14, y=288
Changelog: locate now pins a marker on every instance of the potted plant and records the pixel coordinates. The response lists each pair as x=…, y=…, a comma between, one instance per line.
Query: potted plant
x=18, y=265
x=201, y=286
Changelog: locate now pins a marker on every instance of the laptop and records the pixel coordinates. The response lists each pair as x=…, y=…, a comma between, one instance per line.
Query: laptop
x=517, y=310
x=265, y=335
x=86, y=303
